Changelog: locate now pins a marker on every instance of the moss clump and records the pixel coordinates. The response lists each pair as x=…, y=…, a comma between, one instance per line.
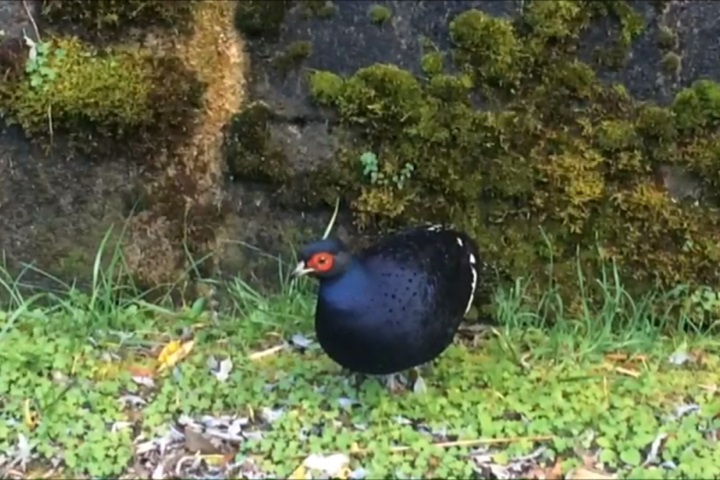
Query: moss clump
x=656, y=125
x=379, y=14
x=551, y=29
x=667, y=38
x=261, y=18
x=110, y=18
x=125, y=96
x=378, y=95
x=325, y=87
x=318, y=8
x=698, y=108
x=487, y=47
x=248, y=149
x=564, y=151
x=554, y=24
x=293, y=56
x=671, y=63
x=432, y=63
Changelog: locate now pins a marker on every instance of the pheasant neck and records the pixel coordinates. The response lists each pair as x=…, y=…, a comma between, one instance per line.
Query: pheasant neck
x=346, y=289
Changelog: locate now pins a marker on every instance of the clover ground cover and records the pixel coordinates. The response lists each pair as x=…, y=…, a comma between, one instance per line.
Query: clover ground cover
x=91, y=386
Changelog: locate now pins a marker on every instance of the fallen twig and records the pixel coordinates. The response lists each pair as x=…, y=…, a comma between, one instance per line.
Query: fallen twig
x=266, y=352
x=625, y=357
x=627, y=371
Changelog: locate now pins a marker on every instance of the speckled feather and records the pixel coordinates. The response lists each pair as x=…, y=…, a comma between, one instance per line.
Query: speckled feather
x=400, y=302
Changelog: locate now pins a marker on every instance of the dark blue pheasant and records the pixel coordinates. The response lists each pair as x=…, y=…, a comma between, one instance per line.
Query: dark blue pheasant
x=397, y=304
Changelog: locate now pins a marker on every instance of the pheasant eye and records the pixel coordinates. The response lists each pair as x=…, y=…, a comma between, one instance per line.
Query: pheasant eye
x=321, y=262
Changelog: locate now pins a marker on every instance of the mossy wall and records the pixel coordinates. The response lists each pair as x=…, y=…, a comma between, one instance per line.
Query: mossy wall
x=553, y=147
x=112, y=19
x=102, y=99
x=126, y=82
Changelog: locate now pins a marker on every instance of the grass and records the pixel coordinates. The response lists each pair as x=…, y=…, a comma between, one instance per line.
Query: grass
x=96, y=383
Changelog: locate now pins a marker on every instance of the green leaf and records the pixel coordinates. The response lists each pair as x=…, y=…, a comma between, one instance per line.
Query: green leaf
x=502, y=458
x=604, y=442
x=631, y=456
x=48, y=72
x=608, y=457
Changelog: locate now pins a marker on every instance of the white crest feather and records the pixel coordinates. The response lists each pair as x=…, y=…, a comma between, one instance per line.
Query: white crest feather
x=329, y=228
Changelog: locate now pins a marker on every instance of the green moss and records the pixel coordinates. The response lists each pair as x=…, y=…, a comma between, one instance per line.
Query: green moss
x=293, y=56
x=108, y=18
x=318, y=8
x=379, y=14
x=559, y=149
x=487, y=47
x=698, y=107
x=126, y=95
x=671, y=63
x=114, y=78
x=432, y=63
x=378, y=95
x=615, y=135
x=261, y=18
x=632, y=25
x=554, y=24
x=657, y=127
x=666, y=38
x=325, y=87
x=248, y=149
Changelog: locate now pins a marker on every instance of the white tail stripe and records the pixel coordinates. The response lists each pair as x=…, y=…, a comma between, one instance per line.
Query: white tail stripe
x=473, y=285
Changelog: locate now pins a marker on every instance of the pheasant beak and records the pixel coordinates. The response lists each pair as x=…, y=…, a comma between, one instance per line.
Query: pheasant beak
x=301, y=270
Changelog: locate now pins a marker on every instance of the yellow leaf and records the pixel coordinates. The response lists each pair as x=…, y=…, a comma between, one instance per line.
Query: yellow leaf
x=173, y=353
x=215, y=460
x=300, y=473
x=141, y=371
x=75, y=363
x=169, y=350
x=344, y=473
x=30, y=417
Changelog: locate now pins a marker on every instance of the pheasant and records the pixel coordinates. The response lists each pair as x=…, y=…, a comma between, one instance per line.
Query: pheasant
x=396, y=305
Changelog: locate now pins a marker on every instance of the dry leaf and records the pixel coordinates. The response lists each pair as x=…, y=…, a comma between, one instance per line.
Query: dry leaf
x=549, y=473
x=223, y=372
x=197, y=442
x=334, y=465
x=584, y=473
x=141, y=371
x=173, y=353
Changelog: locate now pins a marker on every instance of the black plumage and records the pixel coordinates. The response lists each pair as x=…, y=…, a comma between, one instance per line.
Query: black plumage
x=395, y=305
